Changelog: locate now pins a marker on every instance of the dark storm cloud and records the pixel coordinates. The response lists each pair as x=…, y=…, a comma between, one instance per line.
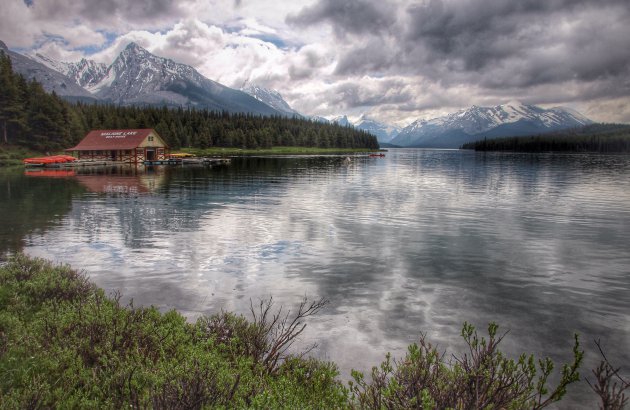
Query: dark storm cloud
x=488, y=43
x=348, y=16
x=100, y=12
x=372, y=56
x=351, y=94
x=539, y=42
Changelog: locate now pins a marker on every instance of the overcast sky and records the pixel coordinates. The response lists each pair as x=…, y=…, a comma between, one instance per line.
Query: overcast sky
x=394, y=60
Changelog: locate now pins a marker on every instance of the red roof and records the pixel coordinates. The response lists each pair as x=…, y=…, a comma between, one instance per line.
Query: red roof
x=99, y=140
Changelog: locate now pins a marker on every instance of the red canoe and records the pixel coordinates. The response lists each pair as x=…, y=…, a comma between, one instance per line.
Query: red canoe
x=52, y=159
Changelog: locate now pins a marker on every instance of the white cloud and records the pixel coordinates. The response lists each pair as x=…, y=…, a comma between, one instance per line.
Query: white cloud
x=17, y=28
x=394, y=71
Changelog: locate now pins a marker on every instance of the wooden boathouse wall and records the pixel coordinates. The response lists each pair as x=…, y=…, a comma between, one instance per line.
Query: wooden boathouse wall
x=129, y=145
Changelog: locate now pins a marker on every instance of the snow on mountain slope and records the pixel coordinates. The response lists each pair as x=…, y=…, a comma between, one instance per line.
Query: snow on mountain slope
x=341, y=120
x=50, y=79
x=513, y=118
x=383, y=132
x=270, y=97
x=85, y=73
x=317, y=118
x=139, y=77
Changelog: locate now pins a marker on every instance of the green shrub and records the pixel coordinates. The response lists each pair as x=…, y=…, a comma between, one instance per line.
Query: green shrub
x=65, y=344
x=483, y=378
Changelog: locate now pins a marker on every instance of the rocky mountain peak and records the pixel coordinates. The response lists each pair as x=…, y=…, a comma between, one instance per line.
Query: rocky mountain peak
x=134, y=47
x=270, y=97
x=3, y=47
x=510, y=119
x=137, y=77
x=342, y=120
x=384, y=132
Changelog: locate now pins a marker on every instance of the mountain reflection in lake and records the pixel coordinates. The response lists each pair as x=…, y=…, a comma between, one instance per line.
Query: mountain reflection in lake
x=418, y=241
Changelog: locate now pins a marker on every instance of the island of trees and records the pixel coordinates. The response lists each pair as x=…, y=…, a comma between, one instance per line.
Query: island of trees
x=604, y=138
x=32, y=118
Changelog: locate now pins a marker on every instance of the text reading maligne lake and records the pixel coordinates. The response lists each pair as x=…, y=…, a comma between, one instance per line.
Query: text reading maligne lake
x=416, y=242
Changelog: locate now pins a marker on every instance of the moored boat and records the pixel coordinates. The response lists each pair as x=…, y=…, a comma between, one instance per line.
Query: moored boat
x=49, y=160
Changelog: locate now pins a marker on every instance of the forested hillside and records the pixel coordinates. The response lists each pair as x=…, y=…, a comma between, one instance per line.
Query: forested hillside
x=32, y=118
x=590, y=138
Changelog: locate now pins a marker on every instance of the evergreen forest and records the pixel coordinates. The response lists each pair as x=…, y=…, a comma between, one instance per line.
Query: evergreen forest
x=32, y=118
x=604, y=138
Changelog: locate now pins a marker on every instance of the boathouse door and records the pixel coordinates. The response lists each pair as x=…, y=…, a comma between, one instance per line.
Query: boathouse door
x=150, y=155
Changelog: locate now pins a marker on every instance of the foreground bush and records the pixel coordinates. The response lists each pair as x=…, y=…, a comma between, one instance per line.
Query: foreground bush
x=64, y=344
x=481, y=379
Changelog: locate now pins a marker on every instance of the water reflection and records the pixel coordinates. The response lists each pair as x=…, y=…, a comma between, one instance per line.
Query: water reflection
x=418, y=241
x=30, y=206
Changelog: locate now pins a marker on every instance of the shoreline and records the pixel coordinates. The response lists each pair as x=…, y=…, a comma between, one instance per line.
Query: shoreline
x=67, y=344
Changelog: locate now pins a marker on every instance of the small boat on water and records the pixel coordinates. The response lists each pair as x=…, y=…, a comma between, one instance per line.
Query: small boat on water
x=49, y=160
x=376, y=155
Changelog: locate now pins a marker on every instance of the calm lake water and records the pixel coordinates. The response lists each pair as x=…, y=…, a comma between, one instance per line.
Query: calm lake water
x=416, y=242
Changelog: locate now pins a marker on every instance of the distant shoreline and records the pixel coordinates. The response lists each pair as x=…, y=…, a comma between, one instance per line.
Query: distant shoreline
x=209, y=152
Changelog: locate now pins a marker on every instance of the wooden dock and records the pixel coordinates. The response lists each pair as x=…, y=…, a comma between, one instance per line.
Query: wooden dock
x=190, y=161
x=172, y=161
x=75, y=164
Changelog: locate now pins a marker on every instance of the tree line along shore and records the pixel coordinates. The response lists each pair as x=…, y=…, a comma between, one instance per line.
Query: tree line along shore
x=33, y=119
x=600, y=138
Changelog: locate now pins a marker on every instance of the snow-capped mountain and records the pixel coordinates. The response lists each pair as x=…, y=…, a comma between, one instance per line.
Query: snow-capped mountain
x=270, y=97
x=50, y=62
x=86, y=73
x=317, y=118
x=511, y=119
x=383, y=132
x=341, y=120
x=137, y=77
x=50, y=79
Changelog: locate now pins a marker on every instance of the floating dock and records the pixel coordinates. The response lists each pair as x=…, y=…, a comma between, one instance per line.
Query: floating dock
x=190, y=161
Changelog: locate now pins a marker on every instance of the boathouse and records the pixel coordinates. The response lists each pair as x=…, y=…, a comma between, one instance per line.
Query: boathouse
x=132, y=146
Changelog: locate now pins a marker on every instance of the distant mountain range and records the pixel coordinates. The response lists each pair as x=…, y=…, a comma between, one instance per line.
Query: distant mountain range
x=383, y=132
x=511, y=119
x=136, y=77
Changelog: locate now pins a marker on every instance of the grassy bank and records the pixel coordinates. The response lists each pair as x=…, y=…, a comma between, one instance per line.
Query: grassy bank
x=13, y=155
x=217, y=151
x=65, y=344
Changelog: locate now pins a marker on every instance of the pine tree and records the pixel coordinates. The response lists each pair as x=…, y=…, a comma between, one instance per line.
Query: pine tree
x=12, y=118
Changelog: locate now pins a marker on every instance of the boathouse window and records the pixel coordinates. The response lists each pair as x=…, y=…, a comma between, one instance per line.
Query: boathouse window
x=150, y=137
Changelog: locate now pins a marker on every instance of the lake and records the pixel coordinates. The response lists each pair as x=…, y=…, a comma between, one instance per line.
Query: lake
x=416, y=242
